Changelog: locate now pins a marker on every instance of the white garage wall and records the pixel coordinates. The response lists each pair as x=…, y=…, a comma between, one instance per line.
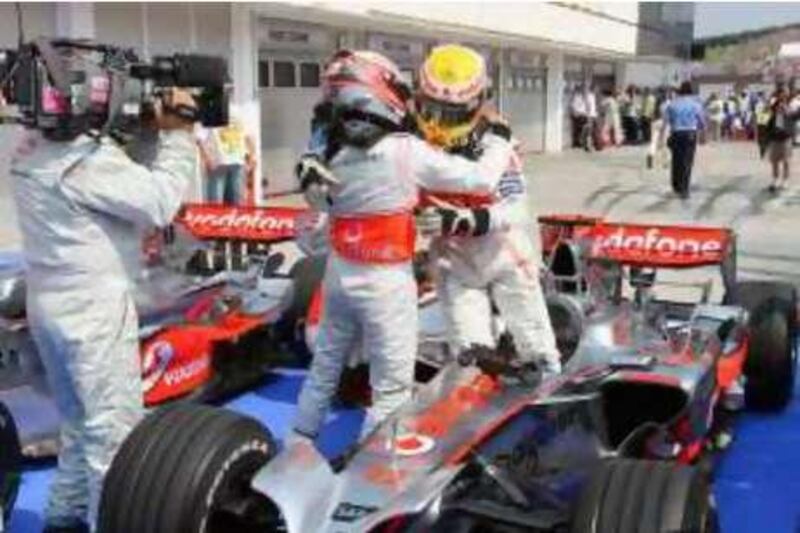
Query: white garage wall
x=604, y=26
x=39, y=20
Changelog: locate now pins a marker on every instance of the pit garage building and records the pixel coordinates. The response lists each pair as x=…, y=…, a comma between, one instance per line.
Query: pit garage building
x=537, y=53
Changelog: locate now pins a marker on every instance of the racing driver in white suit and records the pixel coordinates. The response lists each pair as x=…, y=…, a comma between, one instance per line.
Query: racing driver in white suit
x=83, y=208
x=487, y=253
x=368, y=181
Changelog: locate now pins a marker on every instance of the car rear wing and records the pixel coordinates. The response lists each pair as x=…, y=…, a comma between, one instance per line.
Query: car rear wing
x=263, y=225
x=644, y=245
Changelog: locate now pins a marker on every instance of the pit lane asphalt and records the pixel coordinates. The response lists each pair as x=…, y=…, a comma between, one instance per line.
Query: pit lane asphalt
x=758, y=478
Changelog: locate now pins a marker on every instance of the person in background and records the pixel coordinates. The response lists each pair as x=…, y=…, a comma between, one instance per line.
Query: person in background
x=730, y=111
x=577, y=111
x=716, y=115
x=630, y=115
x=648, y=114
x=762, y=115
x=685, y=118
x=228, y=156
x=656, y=155
x=609, y=118
x=784, y=112
x=588, y=140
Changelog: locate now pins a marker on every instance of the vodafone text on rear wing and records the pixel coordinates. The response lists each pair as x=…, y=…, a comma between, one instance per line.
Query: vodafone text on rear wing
x=660, y=246
x=240, y=223
x=644, y=245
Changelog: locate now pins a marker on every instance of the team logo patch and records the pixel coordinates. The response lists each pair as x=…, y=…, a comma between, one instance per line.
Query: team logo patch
x=411, y=444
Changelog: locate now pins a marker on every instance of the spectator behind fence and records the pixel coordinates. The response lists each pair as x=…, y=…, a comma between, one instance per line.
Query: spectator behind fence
x=228, y=156
x=685, y=117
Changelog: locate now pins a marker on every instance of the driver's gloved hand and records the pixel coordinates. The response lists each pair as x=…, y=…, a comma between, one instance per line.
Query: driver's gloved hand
x=459, y=222
x=316, y=181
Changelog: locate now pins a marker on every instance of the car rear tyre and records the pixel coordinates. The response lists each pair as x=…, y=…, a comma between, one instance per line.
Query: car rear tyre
x=307, y=274
x=566, y=318
x=771, y=361
x=188, y=468
x=10, y=464
x=635, y=495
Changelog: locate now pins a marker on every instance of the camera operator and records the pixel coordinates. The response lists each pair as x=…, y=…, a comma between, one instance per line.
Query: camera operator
x=83, y=207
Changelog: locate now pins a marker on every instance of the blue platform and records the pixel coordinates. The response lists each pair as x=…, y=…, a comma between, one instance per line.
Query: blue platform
x=757, y=482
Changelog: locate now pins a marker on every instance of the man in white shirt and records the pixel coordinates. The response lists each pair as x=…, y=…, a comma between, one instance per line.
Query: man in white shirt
x=577, y=110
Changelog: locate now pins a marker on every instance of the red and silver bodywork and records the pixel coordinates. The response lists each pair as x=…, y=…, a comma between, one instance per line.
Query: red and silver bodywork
x=200, y=334
x=644, y=381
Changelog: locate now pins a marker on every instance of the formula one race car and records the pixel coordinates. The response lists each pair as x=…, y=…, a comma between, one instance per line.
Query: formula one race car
x=206, y=328
x=618, y=442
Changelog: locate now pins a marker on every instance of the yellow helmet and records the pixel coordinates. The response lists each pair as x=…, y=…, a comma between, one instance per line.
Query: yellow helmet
x=452, y=89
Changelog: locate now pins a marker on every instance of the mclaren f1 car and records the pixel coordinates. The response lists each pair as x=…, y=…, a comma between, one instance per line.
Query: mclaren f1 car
x=618, y=442
x=214, y=318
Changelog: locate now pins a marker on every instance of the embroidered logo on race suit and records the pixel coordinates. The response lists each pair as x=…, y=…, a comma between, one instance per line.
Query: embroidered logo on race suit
x=350, y=512
x=510, y=184
x=353, y=235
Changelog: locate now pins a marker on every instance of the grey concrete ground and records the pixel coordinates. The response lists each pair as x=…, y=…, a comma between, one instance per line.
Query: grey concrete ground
x=729, y=188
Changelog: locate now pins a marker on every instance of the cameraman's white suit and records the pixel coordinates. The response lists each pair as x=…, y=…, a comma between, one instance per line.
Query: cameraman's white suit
x=82, y=207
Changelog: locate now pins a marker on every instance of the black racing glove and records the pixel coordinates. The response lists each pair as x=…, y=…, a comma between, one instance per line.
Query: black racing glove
x=316, y=181
x=460, y=222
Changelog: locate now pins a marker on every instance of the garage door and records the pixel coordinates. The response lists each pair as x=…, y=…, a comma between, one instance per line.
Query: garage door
x=291, y=57
x=525, y=105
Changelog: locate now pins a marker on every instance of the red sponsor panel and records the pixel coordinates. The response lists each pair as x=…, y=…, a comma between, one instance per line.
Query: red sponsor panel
x=247, y=223
x=174, y=363
x=665, y=246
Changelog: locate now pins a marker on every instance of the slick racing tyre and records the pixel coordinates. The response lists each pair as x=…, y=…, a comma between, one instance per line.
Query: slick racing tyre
x=188, y=468
x=634, y=495
x=566, y=318
x=307, y=275
x=771, y=361
x=10, y=465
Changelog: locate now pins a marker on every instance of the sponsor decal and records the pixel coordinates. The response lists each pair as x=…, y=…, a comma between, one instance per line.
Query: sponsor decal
x=157, y=357
x=411, y=444
x=675, y=246
x=205, y=221
x=350, y=512
x=187, y=371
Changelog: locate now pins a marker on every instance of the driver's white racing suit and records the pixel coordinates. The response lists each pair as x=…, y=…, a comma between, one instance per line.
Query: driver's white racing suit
x=83, y=206
x=369, y=289
x=501, y=266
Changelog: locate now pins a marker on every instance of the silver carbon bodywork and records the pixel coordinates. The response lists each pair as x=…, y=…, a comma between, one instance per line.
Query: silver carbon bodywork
x=667, y=351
